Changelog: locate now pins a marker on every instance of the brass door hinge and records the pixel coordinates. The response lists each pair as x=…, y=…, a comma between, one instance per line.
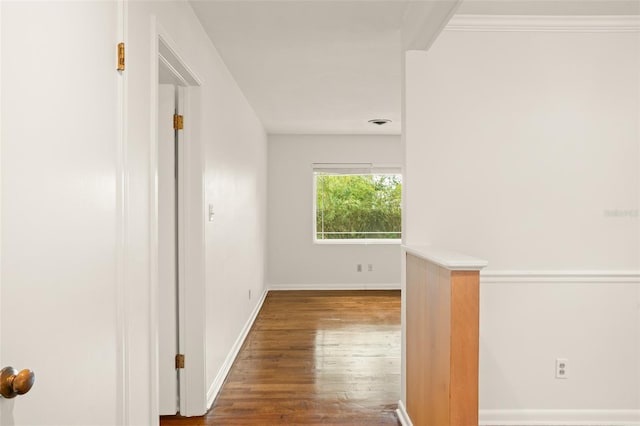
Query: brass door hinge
x=180, y=361
x=120, y=56
x=178, y=122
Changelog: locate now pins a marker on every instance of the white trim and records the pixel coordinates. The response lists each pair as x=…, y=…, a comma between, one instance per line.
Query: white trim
x=123, y=395
x=215, y=387
x=194, y=286
x=359, y=242
x=559, y=417
x=191, y=287
x=403, y=327
x=423, y=22
x=184, y=390
x=172, y=70
x=334, y=286
x=589, y=24
x=181, y=69
x=154, y=313
x=559, y=277
x=447, y=259
x=368, y=168
x=403, y=416
x=1, y=362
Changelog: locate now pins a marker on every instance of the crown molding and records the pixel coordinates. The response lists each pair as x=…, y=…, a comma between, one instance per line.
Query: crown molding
x=515, y=23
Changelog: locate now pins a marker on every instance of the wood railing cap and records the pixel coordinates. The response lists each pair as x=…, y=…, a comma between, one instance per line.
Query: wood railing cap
x=446, y=258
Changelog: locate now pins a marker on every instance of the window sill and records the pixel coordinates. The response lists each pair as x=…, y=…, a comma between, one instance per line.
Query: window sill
x=381, y=241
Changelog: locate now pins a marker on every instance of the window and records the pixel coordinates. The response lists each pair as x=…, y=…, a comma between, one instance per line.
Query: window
x=357, y=203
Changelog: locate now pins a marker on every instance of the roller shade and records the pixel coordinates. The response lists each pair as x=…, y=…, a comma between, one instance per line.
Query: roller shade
x=355, y=168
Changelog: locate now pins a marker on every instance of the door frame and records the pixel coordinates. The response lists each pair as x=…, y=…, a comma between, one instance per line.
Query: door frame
x=123, y=400
x=190, y=244
x=1, y=363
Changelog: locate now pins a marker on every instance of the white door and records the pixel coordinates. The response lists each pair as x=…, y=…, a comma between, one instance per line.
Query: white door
x=59, y=136
x=167, y=250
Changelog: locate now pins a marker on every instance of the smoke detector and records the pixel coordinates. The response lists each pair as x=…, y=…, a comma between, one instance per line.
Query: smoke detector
x=380, y=121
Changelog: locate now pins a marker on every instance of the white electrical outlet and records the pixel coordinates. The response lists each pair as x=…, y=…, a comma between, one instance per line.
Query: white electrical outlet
x=370, y=267
x=562, y=368
x=359, y=267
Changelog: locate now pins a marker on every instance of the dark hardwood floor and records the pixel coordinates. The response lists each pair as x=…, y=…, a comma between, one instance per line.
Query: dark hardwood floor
x=314, y=358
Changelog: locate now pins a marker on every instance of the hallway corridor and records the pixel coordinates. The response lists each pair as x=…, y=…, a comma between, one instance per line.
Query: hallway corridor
x=314, y=357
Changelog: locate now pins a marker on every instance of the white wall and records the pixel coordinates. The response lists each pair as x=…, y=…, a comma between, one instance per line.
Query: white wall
x=78, y=203
x=236, y=185
x=228, y=170
x=59, y=211
x=294, y=261
x=520, y=148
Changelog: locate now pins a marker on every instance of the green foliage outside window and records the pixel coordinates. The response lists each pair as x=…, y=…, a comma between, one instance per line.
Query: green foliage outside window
x=358, y=206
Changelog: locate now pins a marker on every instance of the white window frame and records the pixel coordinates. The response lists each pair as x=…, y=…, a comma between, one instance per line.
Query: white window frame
x=355, y=169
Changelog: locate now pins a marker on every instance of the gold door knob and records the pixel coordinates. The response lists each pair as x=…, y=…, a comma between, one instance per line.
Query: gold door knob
x=13, y=383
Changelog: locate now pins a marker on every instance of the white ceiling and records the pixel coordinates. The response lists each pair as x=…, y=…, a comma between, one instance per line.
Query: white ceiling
x=329, y=66
x=313, y=66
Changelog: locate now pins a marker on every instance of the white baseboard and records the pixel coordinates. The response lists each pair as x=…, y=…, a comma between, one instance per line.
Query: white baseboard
x=215, y=387
x=545, y=417
x=559, y=417
x=333, y=286
x=403, y=416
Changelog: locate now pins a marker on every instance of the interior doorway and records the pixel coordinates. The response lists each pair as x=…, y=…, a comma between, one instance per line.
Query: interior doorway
x=168, y=234
x=171, y=215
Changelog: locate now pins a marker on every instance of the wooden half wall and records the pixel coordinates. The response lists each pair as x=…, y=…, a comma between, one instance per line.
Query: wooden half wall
x=442, y=339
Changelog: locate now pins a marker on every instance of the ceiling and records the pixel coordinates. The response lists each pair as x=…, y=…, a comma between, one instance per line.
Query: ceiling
x=313, y=66
x=550, y=7
x=329, y=66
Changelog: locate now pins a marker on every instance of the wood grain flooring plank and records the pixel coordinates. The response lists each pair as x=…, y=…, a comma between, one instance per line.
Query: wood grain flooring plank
x=314, y=358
